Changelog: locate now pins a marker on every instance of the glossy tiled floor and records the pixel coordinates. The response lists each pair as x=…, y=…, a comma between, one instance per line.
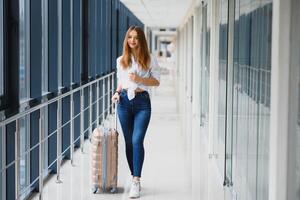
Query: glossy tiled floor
x=165, y=167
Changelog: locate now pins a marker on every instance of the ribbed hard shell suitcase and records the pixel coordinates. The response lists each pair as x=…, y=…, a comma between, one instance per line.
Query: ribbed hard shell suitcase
x=104, y=159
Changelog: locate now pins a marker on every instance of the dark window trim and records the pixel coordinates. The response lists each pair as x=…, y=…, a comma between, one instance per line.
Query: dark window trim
x=85, y=35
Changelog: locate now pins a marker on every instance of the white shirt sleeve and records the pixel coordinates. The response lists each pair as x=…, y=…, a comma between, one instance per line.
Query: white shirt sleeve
x=154, y=68
x=118, y=68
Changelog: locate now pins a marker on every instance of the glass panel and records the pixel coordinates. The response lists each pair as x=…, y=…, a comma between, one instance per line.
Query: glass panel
x=92, y=51
x=24, y=50
x=71, y=41
x=24, y=157
x=45, y=149
x=263, y=98
x=1, y=49
x=66, y=43
x=235, y=85
x=53, y=45
x=241, y=61
x=207, y=64
x=59, y=75
x=77, y=41
x=229, y=95
x=204, y=85
x=251, y=97
x=223, y=29
x=45, y=46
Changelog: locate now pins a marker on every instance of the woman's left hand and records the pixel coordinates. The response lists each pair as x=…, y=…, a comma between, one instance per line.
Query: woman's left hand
x=134, y=77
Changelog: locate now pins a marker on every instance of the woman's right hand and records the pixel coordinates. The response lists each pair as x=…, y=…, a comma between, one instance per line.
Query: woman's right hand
x=115, y=98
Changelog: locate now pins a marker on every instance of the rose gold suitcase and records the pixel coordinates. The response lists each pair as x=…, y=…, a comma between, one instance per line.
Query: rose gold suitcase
x=104, y=159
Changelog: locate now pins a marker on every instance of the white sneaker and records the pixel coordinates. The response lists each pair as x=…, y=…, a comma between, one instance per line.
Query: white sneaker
x=135, y=189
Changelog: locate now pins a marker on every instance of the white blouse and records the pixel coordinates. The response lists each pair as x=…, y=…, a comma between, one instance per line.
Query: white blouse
x=123, y=78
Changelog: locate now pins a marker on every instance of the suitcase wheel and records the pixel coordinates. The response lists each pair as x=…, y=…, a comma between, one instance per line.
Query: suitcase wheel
x=95, y=189
x=114, y=190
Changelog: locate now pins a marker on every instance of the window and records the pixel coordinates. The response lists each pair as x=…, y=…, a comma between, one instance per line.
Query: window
x=44, y=115
x=24, y=92
x=92, y=38
x=1, y=49
x=59, y=43
x=71, y=41
x=223, y=59
x=45, y=46
x=205, y=65
x=293, y=183
x=66, y=43
x=24, y=157
x=24, y=71
x=250, y=117
x=53, y=45
x=77, y=40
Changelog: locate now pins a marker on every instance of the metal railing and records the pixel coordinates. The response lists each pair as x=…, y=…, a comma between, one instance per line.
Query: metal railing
x=107, y=91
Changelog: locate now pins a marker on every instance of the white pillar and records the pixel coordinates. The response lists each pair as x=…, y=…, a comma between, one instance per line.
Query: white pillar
x=279, y=100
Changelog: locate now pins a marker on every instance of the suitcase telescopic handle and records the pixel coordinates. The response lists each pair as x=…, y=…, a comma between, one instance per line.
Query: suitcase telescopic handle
x=116, y=115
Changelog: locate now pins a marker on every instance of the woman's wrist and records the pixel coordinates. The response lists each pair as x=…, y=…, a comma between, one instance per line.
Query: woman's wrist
x=118, y=92
x=140, y=80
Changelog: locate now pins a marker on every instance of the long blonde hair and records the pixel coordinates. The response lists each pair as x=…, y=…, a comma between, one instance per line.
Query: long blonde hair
x=142, y=51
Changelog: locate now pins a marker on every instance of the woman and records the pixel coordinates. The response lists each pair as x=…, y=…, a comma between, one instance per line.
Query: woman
x=136, y=71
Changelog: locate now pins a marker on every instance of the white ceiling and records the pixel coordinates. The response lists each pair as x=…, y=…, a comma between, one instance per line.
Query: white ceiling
x=159, y=13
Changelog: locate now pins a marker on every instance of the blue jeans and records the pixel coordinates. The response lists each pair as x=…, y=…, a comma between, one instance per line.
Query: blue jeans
x=134, y=116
